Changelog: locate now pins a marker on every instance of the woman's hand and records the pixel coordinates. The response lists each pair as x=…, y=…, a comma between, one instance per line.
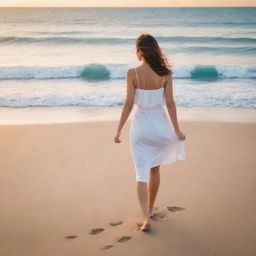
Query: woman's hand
x=180, y=135
x=117, y=137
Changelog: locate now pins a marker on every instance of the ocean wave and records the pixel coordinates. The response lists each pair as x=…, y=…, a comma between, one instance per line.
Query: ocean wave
x=64, y=32
x=214, y=72
x=95, y=72
x=88, y=72
x=220, y=50
x=200, y=24
x=65, y=40
x=185, y=98
x=86, y=100
x=118, y=40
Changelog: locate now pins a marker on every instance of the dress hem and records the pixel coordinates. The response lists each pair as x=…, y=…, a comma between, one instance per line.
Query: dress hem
x=168, y=161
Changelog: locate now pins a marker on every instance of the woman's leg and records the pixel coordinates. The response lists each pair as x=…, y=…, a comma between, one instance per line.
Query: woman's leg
x=153, y=186
x=143, y=199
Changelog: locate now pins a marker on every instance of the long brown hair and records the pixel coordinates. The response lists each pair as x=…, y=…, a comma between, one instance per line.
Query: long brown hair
x=153, y=54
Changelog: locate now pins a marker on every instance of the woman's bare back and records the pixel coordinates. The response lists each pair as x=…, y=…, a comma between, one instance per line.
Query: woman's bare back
x=148, y=78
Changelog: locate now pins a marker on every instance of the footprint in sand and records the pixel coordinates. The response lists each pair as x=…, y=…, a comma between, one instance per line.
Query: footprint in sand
x=175, y=208
x=159, y=215
x=116, y=223
x=107, y=247
x=70, y=237
x=120, y=240
x=96, y=231
x=123, y=239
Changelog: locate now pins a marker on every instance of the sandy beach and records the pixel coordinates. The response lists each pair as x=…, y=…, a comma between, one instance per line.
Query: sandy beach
x=60, y=181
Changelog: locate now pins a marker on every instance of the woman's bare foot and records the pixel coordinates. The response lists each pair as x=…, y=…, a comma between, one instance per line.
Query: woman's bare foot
x=146, y=225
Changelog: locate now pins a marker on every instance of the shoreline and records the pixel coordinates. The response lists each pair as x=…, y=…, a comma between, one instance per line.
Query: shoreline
x=74, y=114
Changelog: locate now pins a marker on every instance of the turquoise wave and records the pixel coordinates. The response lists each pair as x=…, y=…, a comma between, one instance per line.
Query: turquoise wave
x=95, y=72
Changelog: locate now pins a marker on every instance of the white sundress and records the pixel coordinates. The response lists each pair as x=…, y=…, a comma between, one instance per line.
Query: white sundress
x=153, y=140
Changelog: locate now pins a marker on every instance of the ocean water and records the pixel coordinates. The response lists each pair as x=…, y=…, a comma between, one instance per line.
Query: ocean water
x=79, y=56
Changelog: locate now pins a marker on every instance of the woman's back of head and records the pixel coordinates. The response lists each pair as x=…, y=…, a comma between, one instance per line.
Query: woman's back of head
x=152, y=54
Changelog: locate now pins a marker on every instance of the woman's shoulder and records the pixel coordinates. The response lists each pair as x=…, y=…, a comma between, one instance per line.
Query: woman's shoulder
x=130, y=74
x=131, y=71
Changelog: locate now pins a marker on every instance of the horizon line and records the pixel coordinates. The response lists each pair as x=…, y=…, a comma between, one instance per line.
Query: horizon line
x=127, y=6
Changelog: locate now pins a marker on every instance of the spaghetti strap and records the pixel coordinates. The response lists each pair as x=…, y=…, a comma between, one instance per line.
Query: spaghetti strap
x=137, y=78
x=163, y=82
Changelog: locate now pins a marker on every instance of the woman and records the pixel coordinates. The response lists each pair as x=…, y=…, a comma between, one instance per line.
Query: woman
x=155, y=138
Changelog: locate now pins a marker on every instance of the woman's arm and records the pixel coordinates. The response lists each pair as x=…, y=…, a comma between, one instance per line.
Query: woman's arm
x=171, y=106
x=128, y=105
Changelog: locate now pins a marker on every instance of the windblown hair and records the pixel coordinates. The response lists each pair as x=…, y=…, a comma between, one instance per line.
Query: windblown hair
x=153, y=55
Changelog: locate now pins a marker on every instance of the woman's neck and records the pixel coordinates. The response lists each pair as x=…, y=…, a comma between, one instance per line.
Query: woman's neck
x=144, y=63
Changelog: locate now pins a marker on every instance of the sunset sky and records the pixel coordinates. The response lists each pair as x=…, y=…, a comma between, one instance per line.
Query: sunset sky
x=125, y=3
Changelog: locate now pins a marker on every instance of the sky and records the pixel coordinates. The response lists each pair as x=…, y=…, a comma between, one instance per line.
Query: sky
x=125, y=3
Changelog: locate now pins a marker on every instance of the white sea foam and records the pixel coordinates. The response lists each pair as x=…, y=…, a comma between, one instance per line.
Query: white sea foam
x=119, y=71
